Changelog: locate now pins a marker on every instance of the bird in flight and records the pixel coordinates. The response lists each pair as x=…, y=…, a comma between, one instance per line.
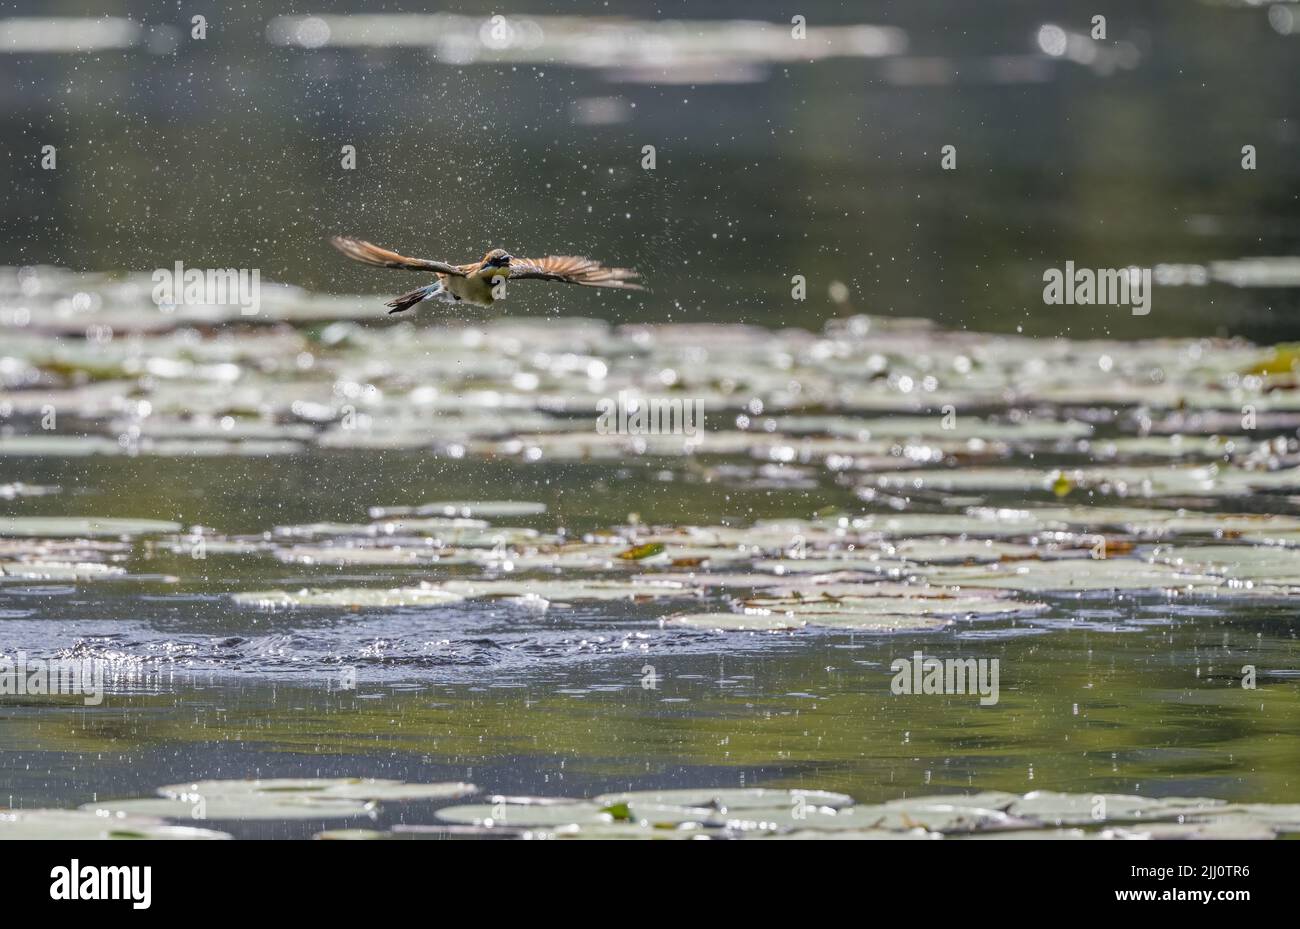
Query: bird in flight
x=478, y=281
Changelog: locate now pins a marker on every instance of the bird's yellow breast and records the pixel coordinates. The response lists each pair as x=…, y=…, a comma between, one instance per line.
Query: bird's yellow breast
x=477, y=287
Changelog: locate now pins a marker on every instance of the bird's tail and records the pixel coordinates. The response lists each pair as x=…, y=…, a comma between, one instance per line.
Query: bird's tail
x=412, y=297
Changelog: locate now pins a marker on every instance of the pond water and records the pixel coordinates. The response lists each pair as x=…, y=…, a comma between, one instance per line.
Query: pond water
x=509, y=593
x=406, y=548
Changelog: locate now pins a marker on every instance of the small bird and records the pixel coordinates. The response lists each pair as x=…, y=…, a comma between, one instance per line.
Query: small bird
x=478, y=281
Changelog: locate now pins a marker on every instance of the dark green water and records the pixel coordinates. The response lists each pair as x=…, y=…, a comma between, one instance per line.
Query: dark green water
x=225, y=154
x=1104, y=693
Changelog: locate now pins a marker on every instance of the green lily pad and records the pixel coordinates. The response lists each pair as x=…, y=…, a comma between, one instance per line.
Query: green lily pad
x=728, y=799
x=307, y=798
x=199, y=807
x=1168, y=481
x=1256, y=564
x=353, y=835
x=480, y=509
x=322, y=788
x=1075, y=575
x=82, y=527
x=359, y=555
x=57, y=446
x=631, y=831
x=565, y=591
x=817, y=609
x=1233, y=828
x=866, y=608
x=58, y=571
x=642, y=552
x=527, y=814
x=961, y=427
x=826, y=835
x=353, y=598
x=19, y=489
x=80, y=825
x=779, y=622
x=932, y=816
x=1083, y=809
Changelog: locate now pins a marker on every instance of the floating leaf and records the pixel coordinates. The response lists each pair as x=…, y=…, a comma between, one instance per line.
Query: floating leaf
x=564, y=591
x=306, y=798
x=480, y=509
x=724, y=799
x=58, y=571
x=80, y=825
x=347, y=597
x=82, y=527
x=619, y=812
x=1254, y=564
x=526, y=814
x=641, y=552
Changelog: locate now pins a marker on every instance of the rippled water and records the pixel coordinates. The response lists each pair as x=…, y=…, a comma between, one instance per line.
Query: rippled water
x=770, y=166
x=767, y=168
x=1132, y=693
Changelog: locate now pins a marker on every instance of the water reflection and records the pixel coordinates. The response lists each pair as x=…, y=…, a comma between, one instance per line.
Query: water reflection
x=651, y=51
x=776, y=156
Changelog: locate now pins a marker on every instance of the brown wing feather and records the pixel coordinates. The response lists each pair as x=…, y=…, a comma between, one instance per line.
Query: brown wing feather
x=572, y=269
x=367, y=253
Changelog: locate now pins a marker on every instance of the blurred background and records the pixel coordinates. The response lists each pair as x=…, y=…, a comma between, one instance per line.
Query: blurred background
x=774, y=156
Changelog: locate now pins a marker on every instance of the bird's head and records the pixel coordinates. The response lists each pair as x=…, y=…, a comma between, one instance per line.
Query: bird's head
x=497, y=258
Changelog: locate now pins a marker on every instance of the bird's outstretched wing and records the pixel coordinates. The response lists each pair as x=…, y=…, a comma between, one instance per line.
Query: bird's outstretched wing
x=571, y=269
x=366, y=253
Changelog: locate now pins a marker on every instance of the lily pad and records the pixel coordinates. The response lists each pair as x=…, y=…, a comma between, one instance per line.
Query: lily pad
x=354, y=598
x=527, y=814
x=1089, y=809
x=310, y=798
x=1174, y=480
x=480, y=509
x=728, y=799
x=757, y=621
x=1090, y=574
x=1256, y=564
x=82, y=527
x=58, y=571
x=860, y=606
x=19, y=489
x=565, y=591
x=80, y=825
x=323, y=788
